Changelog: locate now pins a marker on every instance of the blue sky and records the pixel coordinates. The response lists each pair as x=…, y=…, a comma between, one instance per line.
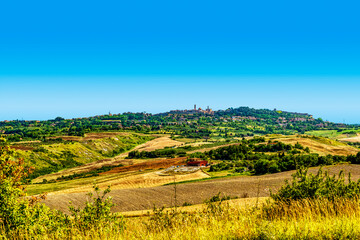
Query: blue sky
x=80, y=58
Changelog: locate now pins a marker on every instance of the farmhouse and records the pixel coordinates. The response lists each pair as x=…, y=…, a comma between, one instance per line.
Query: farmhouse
x=201, y=163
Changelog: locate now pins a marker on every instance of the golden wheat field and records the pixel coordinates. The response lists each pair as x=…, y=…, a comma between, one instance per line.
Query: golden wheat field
x=321, y=146
x=146, y=180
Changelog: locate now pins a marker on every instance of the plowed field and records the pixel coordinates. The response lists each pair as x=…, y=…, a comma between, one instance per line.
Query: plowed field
x=195, y=193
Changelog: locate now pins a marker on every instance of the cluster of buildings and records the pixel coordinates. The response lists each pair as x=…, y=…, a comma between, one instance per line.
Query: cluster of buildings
x=208, y=110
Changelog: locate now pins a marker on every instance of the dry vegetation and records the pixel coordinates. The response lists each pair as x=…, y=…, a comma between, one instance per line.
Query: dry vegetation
x=351, y=139
x=145, y=180
x=211, y=148
x=92, y=136
x=154, y=144
x=322, y=146
x=137, y=175
x=158, y=143
x=194, y=193
x=21, y=147
x=242, y=203
x=155, y=164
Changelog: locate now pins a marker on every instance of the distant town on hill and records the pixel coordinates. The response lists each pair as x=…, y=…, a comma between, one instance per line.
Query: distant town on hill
x=193, y=123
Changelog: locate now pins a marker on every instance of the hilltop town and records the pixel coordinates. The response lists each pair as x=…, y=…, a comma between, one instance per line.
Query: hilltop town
x=208, y=110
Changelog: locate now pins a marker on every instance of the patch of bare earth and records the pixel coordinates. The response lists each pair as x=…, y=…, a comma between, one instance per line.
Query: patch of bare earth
x=194, y=193
x=157, y=164
x=351, y=139
x=154, y=144
x=21, y=147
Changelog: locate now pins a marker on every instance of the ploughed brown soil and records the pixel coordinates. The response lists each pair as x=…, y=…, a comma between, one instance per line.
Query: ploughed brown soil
x=21, y=147
x=197, y=192
x=149, y=165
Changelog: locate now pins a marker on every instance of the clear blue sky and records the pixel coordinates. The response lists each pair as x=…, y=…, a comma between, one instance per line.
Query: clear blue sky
x=80, y=58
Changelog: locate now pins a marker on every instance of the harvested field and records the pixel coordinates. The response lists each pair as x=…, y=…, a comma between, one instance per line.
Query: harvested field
x=194, y=193
x=212, y=148
x=91, y=136
x=88, y=167
x=241, y=202
x=154, y=144
x=197, y=144
x=145, y=180
x=322, y=146
x=351, y=139
x=158, y=143
x=157, y=164
x=26, y=142
x=21, y=147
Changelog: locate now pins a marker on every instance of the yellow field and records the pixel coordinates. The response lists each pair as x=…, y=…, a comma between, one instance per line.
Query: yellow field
x=158, y=143
x=145, y=180
x=322, y=146
x=351, y=139
x=242, y=203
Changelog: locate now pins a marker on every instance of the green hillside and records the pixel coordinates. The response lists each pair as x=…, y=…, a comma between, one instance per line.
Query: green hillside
x=216, y=125
x=55, y=155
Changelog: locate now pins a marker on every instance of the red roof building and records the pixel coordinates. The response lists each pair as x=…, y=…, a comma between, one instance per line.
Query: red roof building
x=202, y=163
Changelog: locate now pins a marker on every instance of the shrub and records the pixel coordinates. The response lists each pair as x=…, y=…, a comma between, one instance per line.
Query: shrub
x=19, y=213
x=96, y=213
x=263, y=166
x=320, y=185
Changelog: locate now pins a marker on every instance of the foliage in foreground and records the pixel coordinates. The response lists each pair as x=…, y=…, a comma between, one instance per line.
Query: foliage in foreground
x=308, y=219
x=319, y=185
x=21, y=214
x=300, y=210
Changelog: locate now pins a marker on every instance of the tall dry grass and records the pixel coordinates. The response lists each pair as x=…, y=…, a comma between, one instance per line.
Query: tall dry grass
x=303, y=219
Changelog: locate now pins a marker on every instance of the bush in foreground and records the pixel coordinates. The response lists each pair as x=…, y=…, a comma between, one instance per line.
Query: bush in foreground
x=311, y=207
x=320, y=185
x=25, y=215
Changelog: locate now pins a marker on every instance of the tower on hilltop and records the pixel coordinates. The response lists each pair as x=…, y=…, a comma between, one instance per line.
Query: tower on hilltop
x=195, y=107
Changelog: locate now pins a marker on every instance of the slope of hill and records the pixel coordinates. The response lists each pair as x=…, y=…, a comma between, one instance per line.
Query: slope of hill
x=320, y=145
x=157, y=143
x=90, y=145
x=56, y=154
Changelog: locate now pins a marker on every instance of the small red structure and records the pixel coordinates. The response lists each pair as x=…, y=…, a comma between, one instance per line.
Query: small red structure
x=201, y=163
